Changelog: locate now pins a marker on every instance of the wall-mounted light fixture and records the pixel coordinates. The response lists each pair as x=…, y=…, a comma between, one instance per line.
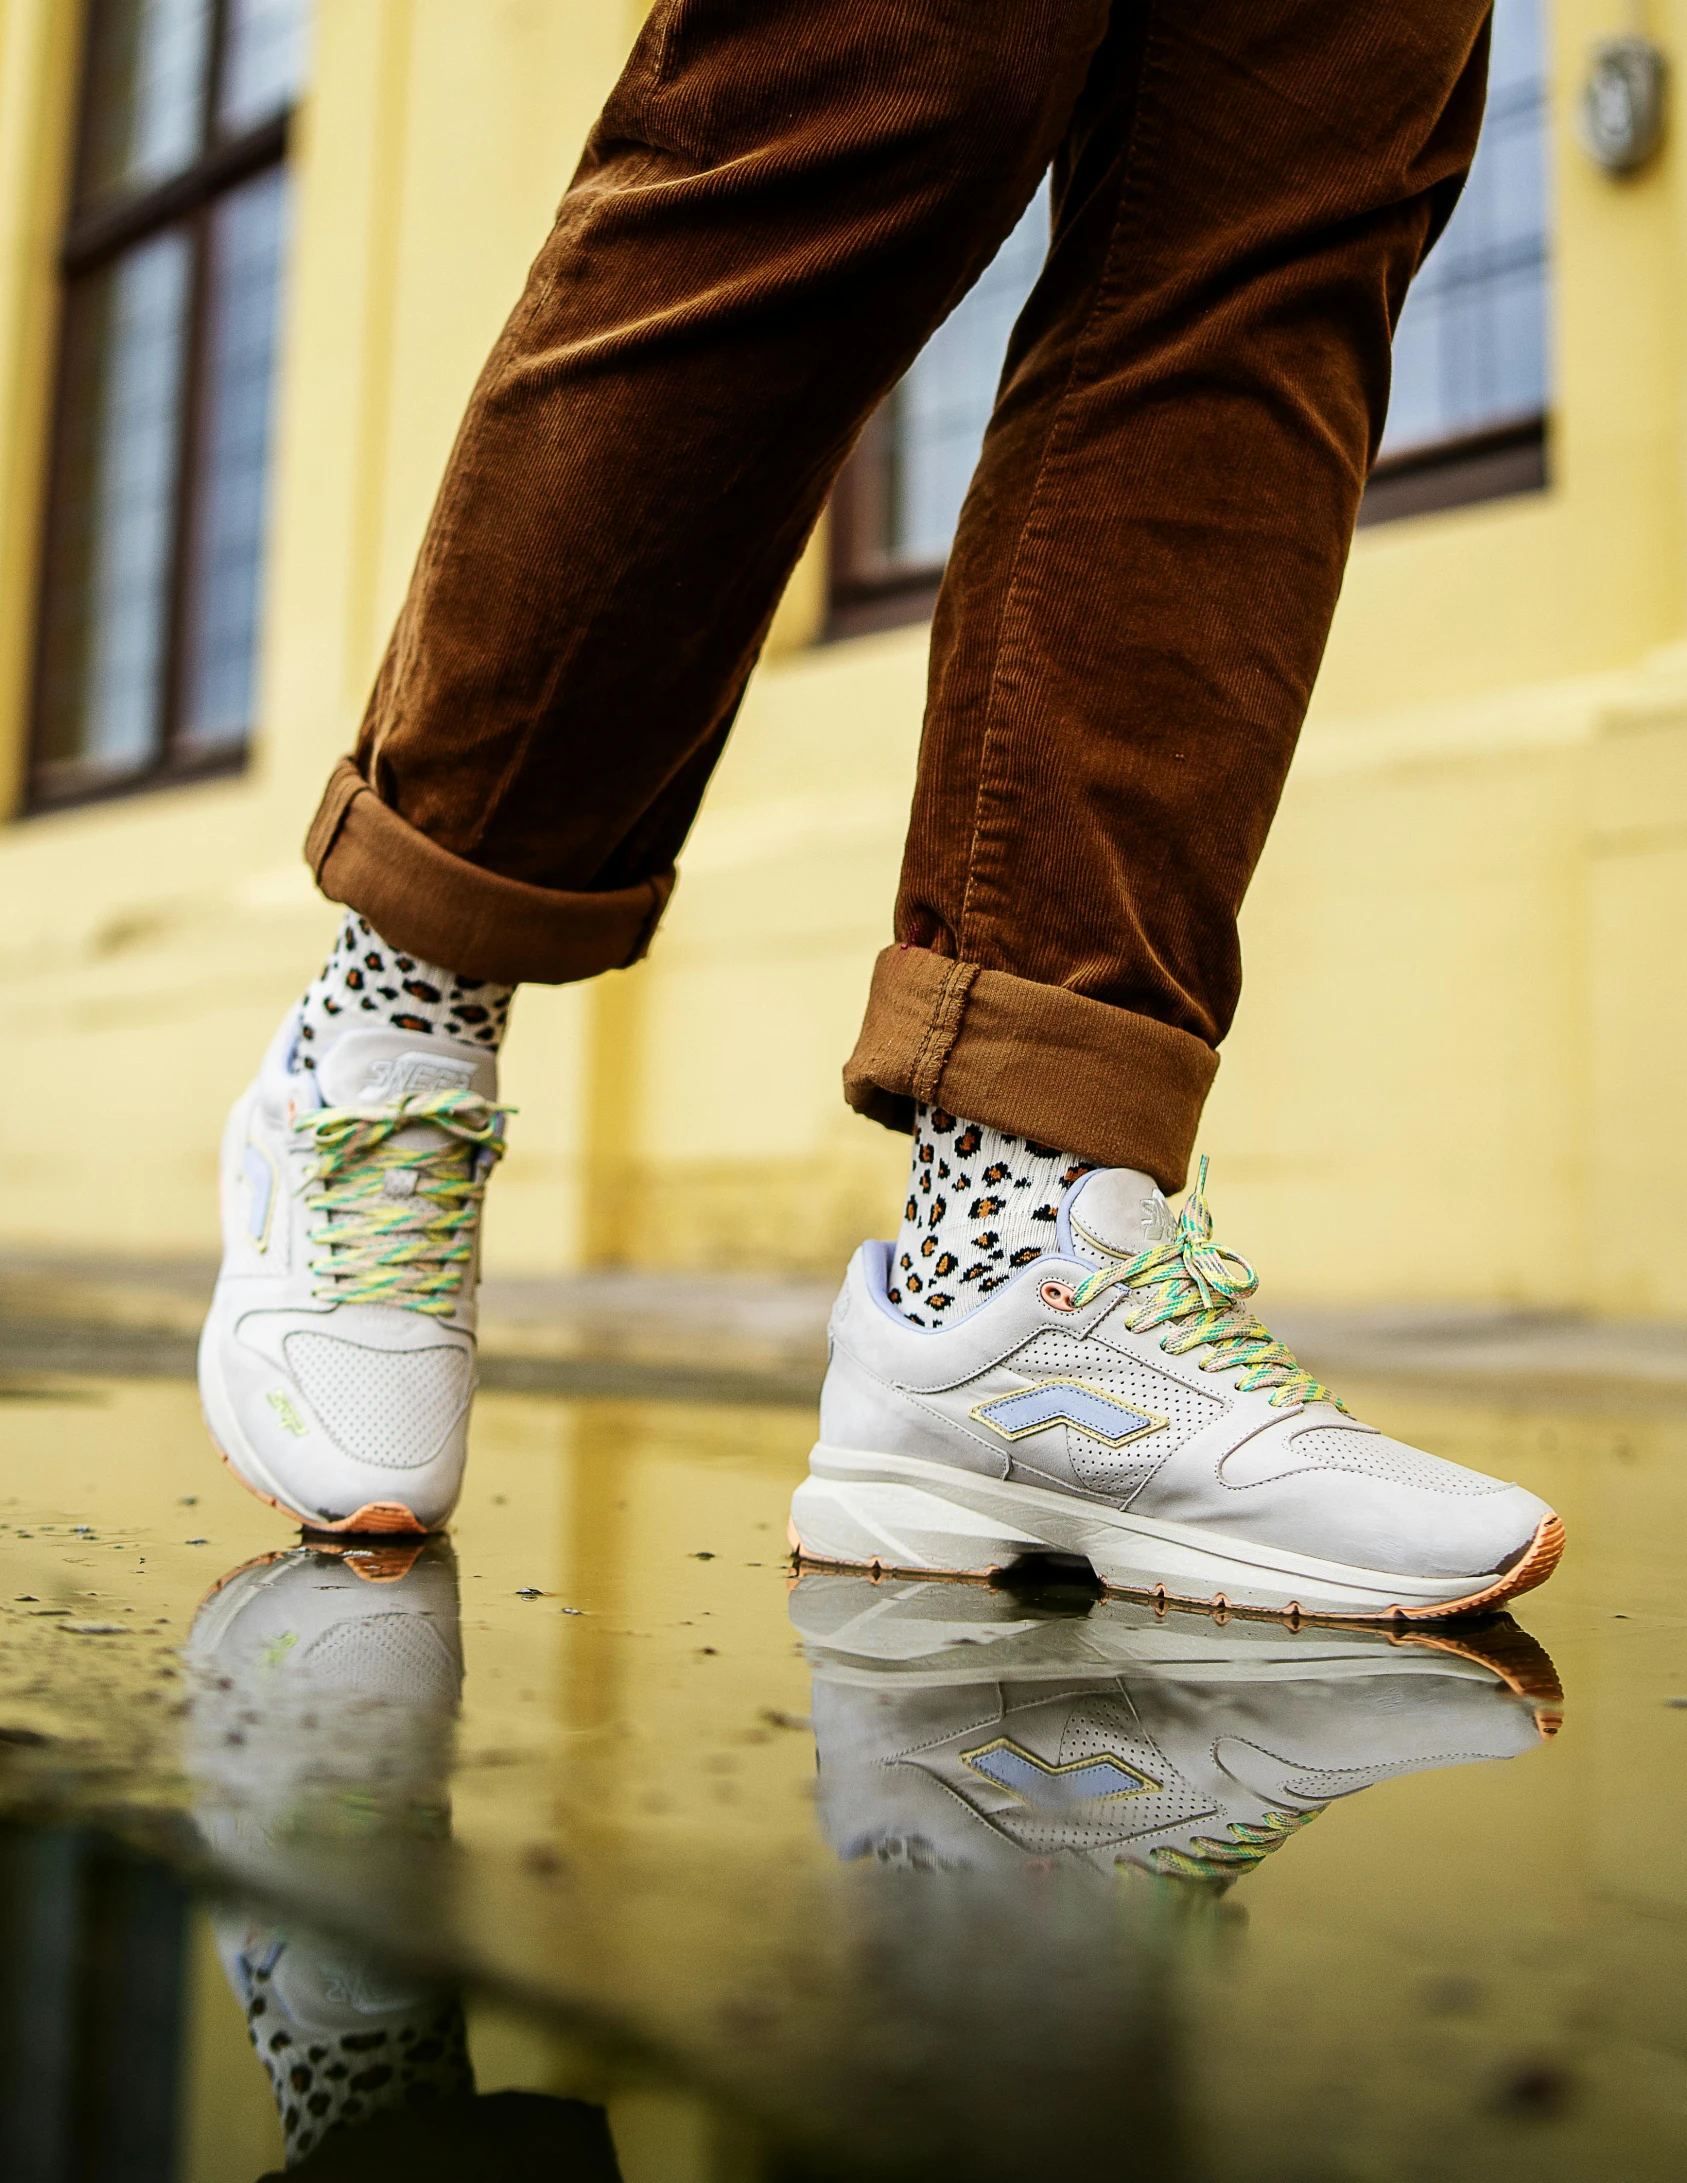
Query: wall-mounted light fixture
x=1623, y=102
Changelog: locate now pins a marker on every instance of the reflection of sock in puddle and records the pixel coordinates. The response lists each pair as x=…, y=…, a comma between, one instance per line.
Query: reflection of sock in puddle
x=498, y=2134
x=343, y=2039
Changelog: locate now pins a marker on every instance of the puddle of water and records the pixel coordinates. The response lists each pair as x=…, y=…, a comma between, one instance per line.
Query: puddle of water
x=589, y=1805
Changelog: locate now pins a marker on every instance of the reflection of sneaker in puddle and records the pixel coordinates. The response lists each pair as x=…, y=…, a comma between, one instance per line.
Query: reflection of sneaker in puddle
x=326, y=1686
x=960, y=1726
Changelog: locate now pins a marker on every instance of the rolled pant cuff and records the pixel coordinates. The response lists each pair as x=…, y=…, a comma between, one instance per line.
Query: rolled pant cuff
x=1044, y=1063
x=452, y=913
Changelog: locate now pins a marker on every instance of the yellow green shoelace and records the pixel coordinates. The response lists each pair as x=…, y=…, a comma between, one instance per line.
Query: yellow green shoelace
x=1237, y=1850
x=1194, y=1284
x=395, y=1223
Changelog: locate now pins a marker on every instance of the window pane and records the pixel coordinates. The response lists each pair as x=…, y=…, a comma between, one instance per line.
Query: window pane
x=944, y=403
x=145, y=112
x=1471, y=349
x=247, y=245
x=263, y=60
x=112, y=535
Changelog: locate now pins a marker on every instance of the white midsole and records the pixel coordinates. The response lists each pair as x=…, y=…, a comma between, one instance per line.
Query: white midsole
x=903, y=1512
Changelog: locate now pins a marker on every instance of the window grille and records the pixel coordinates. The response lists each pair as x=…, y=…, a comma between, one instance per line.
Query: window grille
x=172, y=265
x=1467, y=419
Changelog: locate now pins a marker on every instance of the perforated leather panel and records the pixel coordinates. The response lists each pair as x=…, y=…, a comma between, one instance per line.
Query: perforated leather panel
x=391, y=1408
x=1374, y=1455
x=398, y=1656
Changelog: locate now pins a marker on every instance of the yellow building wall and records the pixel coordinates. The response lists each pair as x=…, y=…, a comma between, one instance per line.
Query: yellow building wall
x=1454, y=1073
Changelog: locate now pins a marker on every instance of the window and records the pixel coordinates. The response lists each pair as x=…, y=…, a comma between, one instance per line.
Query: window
x=1466, y=422
x=900, y=494
x=171, y=264
x=1467, y=418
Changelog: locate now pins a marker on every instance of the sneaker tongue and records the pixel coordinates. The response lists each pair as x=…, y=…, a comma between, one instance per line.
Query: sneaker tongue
x=1113, y=1213
x=374, y=1068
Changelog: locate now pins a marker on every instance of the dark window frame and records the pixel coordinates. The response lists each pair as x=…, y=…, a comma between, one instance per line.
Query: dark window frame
x=866, y=589
x=1496, y=463
x=866, y=593
x=95, y=237
x=1461, y=466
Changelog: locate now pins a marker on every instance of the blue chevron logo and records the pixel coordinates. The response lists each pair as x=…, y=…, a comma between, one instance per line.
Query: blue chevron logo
x=1076, y=1403
x=1056, y=1788
x=259, y=1173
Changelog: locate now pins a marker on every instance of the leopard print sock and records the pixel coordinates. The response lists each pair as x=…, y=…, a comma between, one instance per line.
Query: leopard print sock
x=328, y=2078
x=980, y=1204
x=367, y=985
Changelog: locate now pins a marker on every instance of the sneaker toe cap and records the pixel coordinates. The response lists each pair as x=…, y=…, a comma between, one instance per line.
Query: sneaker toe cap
x=1377, y=1524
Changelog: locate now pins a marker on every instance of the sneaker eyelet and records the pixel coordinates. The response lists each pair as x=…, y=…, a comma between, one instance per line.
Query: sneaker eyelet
x=1058, y=1296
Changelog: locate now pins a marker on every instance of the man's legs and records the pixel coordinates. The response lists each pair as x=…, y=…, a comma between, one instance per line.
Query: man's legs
x=767, y=222
x=778, y=203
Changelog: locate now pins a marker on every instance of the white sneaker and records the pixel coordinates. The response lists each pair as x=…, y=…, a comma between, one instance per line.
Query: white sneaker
x=337, y=1364
x=1117, y=1401
x=962, y=1727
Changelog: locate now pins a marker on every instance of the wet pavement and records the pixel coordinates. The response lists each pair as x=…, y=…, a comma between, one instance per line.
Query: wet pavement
x=590, y=1832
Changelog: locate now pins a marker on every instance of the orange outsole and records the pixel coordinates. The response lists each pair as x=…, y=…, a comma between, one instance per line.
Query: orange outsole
x=1532, y=1567
x=1511, y=1654
x=375, y=1563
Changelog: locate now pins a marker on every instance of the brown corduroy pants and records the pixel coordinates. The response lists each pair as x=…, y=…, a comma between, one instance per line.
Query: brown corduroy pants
x=781, y=200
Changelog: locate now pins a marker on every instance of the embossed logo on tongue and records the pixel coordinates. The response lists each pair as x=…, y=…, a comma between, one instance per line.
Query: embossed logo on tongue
x=1119, y=1212
x=407, y=1074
